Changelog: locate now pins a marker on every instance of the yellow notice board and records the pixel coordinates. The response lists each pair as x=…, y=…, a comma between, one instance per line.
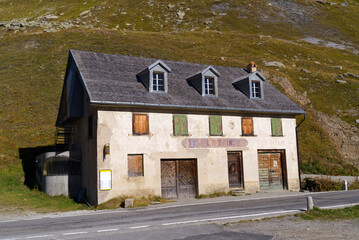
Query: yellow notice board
x=105, y=179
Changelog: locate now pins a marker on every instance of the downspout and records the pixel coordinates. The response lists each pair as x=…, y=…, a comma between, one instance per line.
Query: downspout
x=296, y=134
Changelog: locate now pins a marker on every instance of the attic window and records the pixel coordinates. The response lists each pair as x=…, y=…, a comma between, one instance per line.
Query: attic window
x=209, y=86
x=155, y=77
x=158, y=78
x=256, y=89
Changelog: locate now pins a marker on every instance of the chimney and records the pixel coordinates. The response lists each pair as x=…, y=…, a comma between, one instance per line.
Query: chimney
x=252, y=67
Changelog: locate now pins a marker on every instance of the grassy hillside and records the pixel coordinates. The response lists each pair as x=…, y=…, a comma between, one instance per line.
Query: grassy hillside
x=35, y=37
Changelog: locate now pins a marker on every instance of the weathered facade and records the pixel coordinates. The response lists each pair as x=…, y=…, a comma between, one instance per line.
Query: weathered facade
x=145, y=126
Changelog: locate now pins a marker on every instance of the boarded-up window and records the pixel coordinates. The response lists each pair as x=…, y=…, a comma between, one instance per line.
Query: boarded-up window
x=277, y=127
x=215, y=126
x=135, y=165
x=180, y=125
x=247, y=127
x=140, y=124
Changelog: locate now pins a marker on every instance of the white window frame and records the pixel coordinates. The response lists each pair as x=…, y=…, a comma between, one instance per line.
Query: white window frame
x=207, y=88
x=256, y=89
x=155, y=79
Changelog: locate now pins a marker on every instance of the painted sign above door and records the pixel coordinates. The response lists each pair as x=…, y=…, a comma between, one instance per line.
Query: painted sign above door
x=214, y=142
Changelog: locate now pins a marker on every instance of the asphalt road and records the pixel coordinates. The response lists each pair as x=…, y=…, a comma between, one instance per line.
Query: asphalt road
x=189, y=220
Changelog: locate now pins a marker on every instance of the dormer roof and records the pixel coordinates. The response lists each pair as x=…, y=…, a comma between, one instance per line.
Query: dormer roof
x=162, y=64
x=112, y=80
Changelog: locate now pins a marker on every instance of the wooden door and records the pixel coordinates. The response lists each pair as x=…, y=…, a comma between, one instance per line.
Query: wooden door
x=186, y=178
x=168, y=179
x=235, y=170
x=178, y=178
x=270, y=171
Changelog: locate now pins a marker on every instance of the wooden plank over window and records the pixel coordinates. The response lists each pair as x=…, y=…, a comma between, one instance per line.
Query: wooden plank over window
x=180, y=127
x=135, y=165
x=247, y=126
x=277, y=127
x=140, y=124
x=215, y=126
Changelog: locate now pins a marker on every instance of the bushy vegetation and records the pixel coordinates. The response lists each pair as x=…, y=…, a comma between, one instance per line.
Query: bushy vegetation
x=326, y=184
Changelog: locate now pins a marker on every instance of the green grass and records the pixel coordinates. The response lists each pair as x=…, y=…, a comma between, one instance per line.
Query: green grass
x=119, y=202
x=33, y=64
x=331, y=214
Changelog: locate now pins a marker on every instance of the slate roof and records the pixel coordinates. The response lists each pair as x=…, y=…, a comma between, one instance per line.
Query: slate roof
x=111, y=79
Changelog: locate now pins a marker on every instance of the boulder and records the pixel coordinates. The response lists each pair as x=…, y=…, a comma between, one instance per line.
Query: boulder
x=341, y=81
x=181, y=14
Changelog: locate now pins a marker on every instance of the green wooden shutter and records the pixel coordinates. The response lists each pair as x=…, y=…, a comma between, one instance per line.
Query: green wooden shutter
x=277, y=127
x=180, y=125
x=215, y=126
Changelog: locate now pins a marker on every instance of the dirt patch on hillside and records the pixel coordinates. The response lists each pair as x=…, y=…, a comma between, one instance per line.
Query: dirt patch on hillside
x=343, y=135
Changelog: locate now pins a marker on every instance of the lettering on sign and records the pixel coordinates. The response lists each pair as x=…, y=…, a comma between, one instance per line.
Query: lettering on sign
x=213, y=142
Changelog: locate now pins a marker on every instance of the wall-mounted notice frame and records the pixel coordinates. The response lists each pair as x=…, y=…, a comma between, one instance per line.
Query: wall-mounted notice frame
x=105, y=179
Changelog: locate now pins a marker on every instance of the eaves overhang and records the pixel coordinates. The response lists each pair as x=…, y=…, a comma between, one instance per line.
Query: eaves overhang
x=189, y=107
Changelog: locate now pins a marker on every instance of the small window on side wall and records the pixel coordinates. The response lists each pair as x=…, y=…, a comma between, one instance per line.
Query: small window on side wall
x=247, y=126
x=215, y=126
x=180, y=126
x=140, y=124
x=277, y=127
x=90, y=126
x=135, y=165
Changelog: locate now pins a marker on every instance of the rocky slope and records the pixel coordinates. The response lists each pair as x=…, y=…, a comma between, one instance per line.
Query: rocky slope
x=307, y=48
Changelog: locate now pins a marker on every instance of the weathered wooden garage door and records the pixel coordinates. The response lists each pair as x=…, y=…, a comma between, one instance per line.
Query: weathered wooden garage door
x=235, y=169
x=178, y=178
x=270, y=171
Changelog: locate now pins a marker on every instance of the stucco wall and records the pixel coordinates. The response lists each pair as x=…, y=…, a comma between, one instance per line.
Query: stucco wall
x=115, y=127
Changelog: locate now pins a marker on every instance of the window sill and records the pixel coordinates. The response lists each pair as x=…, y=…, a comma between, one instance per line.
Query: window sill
x=248, y=135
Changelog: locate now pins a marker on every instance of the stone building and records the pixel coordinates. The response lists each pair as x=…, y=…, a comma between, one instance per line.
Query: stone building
x=176, y=129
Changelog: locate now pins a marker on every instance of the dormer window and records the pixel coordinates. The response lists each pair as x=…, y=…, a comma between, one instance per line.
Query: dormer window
x=256, y=89
x=155, y=77
x=208, y=85
x=251, y=84
x=206, y=82
x=158, y=78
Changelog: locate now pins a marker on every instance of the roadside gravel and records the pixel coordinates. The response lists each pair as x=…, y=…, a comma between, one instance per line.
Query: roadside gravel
x=291, y=227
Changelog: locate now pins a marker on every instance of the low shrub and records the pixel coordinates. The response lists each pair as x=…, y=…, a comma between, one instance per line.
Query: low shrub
x=321, y=184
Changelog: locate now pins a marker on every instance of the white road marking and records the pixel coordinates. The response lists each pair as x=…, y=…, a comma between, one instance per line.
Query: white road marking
x=6, y=221
x=108, y=230
x=11, y=239
x=73, y=233
x=231, y=217
x=145, y=226
x=40, y=236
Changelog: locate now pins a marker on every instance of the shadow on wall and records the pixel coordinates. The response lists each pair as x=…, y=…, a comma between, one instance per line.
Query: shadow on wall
x=28, y=160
